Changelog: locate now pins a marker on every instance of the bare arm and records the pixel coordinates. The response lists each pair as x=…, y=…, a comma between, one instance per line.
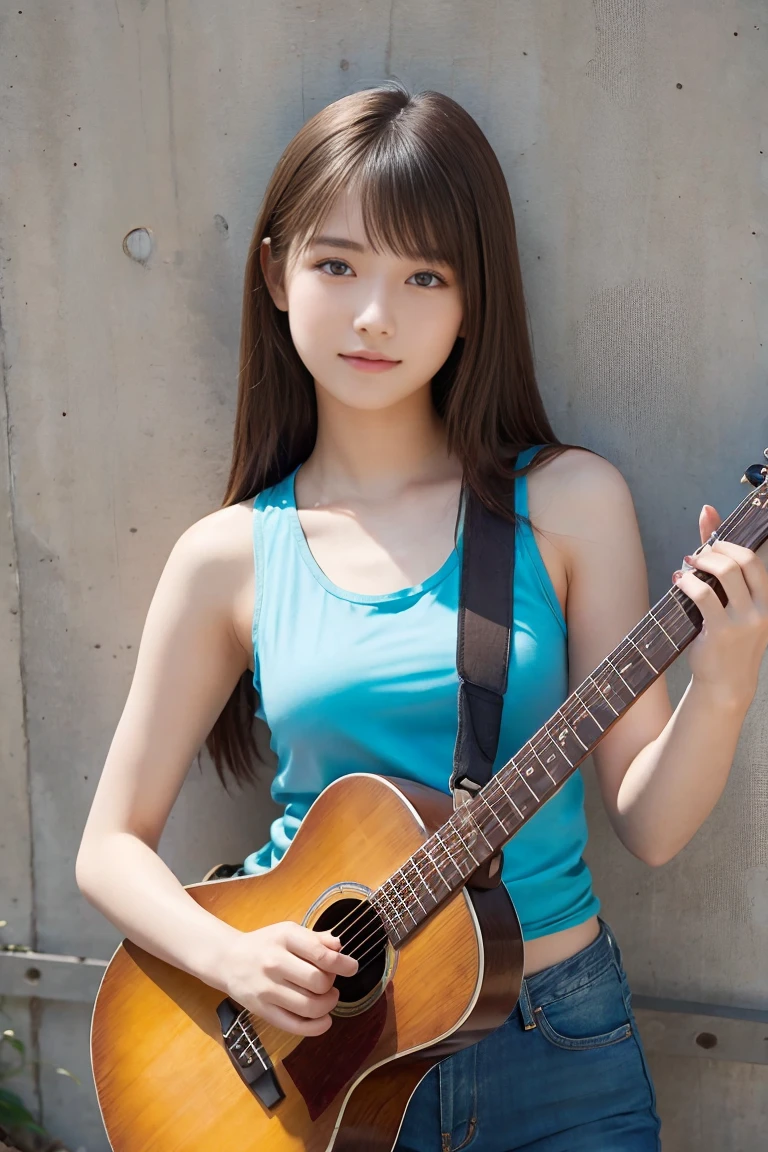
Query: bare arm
x=189, y=662
x=660, y=775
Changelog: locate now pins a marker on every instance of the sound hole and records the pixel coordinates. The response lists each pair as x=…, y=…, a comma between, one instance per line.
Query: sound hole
x=362, y=935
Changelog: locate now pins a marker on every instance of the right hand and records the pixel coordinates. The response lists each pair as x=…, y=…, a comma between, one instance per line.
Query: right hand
x=284, y=973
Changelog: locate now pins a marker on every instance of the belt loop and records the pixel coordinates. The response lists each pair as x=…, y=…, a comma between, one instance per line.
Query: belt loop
x=618, y=959
x=526, y=1009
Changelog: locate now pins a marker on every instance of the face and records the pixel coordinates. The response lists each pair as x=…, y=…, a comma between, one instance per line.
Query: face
x=342, y=298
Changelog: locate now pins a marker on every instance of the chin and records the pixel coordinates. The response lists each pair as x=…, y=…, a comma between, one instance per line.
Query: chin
x=371, y=394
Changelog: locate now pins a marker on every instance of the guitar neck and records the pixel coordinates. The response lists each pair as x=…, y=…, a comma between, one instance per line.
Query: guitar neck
x=482, y=825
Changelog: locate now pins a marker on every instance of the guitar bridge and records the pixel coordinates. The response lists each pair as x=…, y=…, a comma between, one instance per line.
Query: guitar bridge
x=247, y=1054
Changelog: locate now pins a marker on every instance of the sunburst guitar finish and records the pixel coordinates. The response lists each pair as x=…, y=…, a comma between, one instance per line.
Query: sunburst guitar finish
x=178, y=1071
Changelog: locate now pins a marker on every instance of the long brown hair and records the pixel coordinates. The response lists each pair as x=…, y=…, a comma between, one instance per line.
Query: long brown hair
x=431, y=188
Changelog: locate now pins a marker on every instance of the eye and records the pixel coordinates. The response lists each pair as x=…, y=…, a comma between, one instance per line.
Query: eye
x=433, y=275
x=338, y=263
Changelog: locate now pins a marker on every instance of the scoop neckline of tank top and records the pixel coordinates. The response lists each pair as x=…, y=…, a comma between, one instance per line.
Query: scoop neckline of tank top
x=305, y=552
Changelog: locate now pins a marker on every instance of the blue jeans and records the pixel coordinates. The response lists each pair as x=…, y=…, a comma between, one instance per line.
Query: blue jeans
x=566, y=1072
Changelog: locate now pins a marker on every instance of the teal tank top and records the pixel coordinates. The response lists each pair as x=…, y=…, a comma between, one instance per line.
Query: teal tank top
x=367, y=683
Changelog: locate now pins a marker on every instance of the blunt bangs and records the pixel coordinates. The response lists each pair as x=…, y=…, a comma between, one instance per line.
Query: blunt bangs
x=411, y=205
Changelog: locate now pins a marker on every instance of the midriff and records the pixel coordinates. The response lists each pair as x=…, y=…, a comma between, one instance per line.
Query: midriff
x=545, y=951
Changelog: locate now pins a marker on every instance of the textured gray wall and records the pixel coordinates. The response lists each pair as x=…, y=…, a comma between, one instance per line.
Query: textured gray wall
x=634, y=137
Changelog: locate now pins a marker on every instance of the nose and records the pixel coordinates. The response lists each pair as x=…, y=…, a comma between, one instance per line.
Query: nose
x=375, y=314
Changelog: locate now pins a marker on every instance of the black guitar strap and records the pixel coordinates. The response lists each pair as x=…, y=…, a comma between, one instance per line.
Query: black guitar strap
x=482, y=650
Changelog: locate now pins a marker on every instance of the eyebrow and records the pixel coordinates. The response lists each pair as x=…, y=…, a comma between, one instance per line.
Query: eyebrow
x=340, y=242
x=352, y=245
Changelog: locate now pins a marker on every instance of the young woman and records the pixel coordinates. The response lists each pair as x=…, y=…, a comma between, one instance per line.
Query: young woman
x=385, y=359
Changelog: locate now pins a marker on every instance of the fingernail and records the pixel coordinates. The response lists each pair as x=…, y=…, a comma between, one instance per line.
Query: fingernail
x=677, y=576
x=689, y=560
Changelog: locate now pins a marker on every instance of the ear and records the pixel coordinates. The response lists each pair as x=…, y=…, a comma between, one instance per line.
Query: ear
x=272, y=270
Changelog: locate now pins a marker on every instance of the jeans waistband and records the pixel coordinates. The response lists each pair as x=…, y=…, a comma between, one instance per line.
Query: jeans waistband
x=568, y=975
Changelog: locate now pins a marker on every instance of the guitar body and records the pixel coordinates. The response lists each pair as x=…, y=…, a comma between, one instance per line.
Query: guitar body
x=164, y=1075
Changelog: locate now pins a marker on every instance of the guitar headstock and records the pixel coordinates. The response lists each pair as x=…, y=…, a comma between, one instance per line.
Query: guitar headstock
x=756, y=473
x=748, y=525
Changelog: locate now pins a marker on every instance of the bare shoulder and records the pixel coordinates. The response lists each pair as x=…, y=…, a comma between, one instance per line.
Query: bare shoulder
x=220, y=541
x=578, y=500
x=577, y=494
x=213, y=561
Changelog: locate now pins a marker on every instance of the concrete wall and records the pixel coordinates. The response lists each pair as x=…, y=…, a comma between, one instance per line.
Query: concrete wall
x=634, y=138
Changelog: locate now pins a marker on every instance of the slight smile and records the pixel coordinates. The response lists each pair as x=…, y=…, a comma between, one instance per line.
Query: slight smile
x=365, y=364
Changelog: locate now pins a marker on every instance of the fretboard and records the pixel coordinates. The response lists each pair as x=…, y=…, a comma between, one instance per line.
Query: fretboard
x=482, y=825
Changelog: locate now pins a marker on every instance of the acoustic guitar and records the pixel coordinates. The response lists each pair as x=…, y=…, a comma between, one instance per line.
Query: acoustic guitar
x=388, y=865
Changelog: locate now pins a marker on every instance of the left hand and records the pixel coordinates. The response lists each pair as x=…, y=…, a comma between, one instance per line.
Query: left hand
x=728, y=652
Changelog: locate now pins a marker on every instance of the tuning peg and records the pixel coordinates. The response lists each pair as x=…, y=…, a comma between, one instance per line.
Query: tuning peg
x=765, y=453
x=755, y=475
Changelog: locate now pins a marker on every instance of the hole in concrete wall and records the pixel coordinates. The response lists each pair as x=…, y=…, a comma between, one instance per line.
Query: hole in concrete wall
x=33, y=975
x=138, y=245
x=706, y=1040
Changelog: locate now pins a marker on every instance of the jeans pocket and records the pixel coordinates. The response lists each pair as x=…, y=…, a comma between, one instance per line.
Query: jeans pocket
x=593, y=1016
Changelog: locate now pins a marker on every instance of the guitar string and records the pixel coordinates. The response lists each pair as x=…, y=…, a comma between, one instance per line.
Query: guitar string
x=632, y=640
x=365, y=907
x=654, y=626
x=378, y=937
x=732, y=521
x=526, y=757
x=674, y=601
x=443, y=853
x=498, y=798
x=666, y=612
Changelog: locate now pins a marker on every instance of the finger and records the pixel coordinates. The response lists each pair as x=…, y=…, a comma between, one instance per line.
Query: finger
x=704, y=597
x=753, y=569
x=321, y=949
x=709, y=520
x=728, y=571
x=341, y=964
x=290, y=1022
x=303, y=1003
x=307, y=976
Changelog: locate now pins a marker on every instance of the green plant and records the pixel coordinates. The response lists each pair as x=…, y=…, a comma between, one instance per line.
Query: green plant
x=14, y=1113
x=19, y=1129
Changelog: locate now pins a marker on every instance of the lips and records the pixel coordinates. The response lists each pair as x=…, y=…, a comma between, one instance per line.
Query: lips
x=368, y=356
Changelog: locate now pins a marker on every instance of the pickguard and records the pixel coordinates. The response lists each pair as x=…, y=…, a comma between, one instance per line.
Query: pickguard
x=322, y=1065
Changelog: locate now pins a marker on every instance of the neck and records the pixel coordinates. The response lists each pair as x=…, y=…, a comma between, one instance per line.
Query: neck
x=375, y=454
